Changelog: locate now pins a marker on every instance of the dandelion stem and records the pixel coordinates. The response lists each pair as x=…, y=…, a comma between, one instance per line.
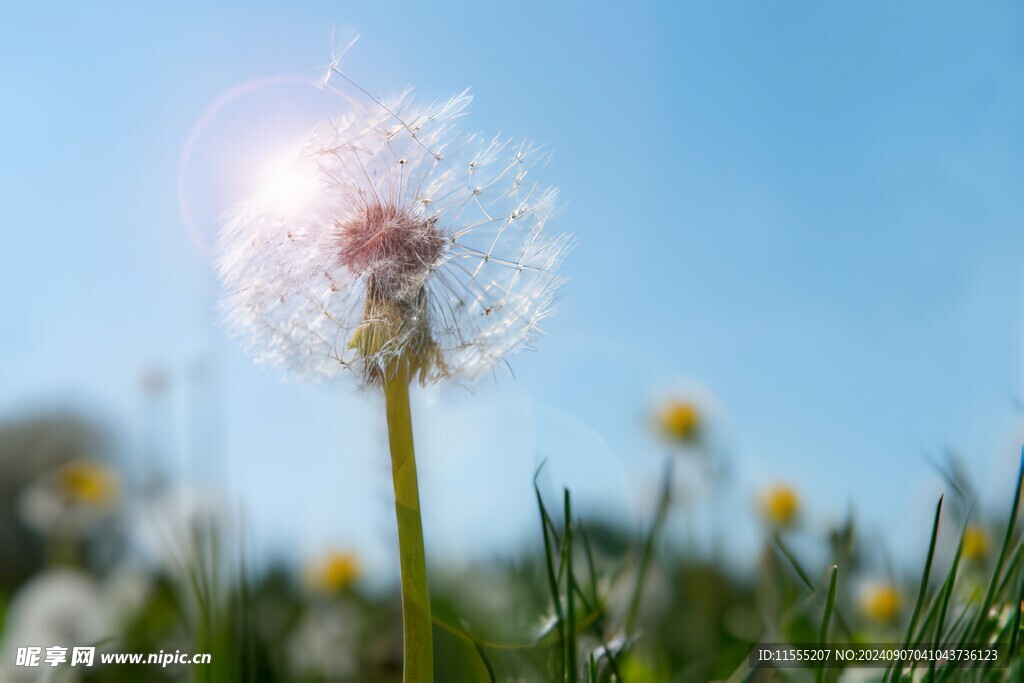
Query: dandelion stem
x=416, y=622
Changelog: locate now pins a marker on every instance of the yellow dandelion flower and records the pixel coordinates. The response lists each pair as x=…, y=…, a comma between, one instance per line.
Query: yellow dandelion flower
x=87, y=482
x=976, y=544
x=881, y=602
x=334, y=572
x=680, y=420
x=780, y=505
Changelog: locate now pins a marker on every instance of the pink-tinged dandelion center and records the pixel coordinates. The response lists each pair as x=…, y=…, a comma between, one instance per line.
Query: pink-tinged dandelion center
x=393, y=248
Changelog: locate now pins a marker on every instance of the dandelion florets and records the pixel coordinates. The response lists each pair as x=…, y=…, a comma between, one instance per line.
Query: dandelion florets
x=976, y=544
x=333, y=573
x=881, y=602
x=780, y=505
x=680, y=421
x=417, y=243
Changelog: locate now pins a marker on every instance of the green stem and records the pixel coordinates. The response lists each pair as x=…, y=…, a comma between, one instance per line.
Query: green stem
x=648, y=551
x=417, y=637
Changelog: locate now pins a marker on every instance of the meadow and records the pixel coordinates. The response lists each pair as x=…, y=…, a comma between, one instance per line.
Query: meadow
x=586, y=602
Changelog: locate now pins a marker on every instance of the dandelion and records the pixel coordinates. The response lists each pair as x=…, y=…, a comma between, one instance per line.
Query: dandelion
x=881, y=602
x=976, y=544
x=396, y=247
x=71, y=499
x=333, y=573
x=780, y=505
x=88, y=483
x=416, y=249
x=680, y=421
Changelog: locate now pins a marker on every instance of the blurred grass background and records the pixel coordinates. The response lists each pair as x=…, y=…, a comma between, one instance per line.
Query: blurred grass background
x=94, y=555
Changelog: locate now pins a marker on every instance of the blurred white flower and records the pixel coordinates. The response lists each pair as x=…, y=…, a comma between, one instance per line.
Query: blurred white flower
x=393, y=235
x=324, y=642
x=72, y=499
x=655, y=597
x=125, y=592
x=180, y=527
x=61, y=607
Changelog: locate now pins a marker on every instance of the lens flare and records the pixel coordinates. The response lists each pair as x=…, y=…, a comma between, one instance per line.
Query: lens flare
x=239, y=130
x=286, y=182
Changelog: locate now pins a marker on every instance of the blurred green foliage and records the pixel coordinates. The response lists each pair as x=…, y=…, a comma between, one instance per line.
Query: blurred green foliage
x=587, y=602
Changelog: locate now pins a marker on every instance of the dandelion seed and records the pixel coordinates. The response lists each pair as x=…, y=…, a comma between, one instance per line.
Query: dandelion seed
x=422, y=265
x=780, y=505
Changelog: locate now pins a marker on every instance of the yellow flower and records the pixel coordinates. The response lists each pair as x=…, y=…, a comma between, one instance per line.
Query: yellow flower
x=334, y=572
x=881, y=602
x=780, y=505
x=87, y=482
x=680, y=420
x=976, y=544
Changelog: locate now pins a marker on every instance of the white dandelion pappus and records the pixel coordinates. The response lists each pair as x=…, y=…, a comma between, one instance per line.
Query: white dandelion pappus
x=417, y=241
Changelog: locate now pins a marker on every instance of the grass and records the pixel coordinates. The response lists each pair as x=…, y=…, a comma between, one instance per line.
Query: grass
x=594, y=602
x=586, y=640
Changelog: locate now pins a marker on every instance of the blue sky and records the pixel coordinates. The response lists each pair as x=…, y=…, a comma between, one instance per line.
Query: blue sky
x=809, y=213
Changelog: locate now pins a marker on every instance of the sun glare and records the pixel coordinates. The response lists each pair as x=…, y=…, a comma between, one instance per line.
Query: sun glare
x=286, y=182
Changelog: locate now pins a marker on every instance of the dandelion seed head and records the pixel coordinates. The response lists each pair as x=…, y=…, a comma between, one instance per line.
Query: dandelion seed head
x=418, y=242
x=393, y=249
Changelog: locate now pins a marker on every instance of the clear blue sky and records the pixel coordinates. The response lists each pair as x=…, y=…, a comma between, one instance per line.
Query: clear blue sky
x=810, y=211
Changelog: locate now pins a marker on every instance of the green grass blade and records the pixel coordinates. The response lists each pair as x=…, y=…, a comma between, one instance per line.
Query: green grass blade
x=973, y=630
x=953, y=475
x=1011, y=569
x=830, y=603
x=793, y=563
x=1007, y=538
x=819, y=674
x=1015, y=635
x=556, y=598
x=570, y=609
x=486, y=662
x=842, y=623
x=923, y=590
x=595, y=607
x=944, y=595
x=591, y=567
x=645, y=558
